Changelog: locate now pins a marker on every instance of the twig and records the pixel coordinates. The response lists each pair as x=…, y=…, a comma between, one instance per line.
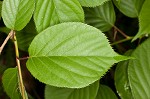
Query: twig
x=115, y=34
x=6, y=40
x=22, y=89
x=121, y=41
x=121, y=32
x=24, y=58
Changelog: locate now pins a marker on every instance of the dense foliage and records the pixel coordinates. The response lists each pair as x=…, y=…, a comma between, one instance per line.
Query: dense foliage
x=75, y=49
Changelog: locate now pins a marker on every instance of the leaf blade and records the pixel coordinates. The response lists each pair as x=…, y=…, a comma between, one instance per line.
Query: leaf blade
x=144, y=27
x=88, y=92
x=122, y=80
x=130, y=8
x=139, y=71
x=10, y=83
x=102, y=17
x=25, y=36
x=93, y=3
x=76, y=50
x=71, y=72
x=17, y=13
x=105, y=93
x=49, y=12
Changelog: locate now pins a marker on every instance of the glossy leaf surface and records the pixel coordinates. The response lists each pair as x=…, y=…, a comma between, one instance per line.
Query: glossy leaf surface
x=88, y=92
x=17, y=13
x=10, y=83
x=72, y=57
x=51, y=12
x=138, y=69
x=102, y=17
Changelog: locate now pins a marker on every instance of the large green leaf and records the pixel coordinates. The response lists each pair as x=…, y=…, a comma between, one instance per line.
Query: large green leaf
x=17, y=13
x=144, y=20
x=139, y=71
x=121, y=79
x=105, y=93
x=102, y=17
x=10, y=83
x=72, y=57
x=92, y=3
x=130, y=8
x=88, y=92
x=51, y=12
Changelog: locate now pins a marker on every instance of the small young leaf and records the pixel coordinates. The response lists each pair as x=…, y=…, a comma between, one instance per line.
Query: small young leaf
x=130, y=8
x=51, y=12
x=144, y=20
x=92, y=3
x=139, y=71
x=17, y=13
x=121, y=79
x=102, y=17
x=105, y=93
x=72, y=57
x=10, y=83
x=88, y=92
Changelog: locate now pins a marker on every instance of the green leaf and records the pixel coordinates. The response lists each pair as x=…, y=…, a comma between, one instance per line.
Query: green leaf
x=92, y=3
x=105, y=93
x=25, y=36
x=51, y=12
x=72, y=57
x=17, y=13
x=102, y=17
x=88, y=92
x=10, y=83
x=138, y=71
x=121, y=79
x=144, y=20
x=24, y=39
x=130, y=8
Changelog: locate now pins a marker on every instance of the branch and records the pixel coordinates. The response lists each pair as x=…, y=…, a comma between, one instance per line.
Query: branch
x=11, y=33
x=121, y=41
x=21, y=85
x=24, y=58
x=121, y=32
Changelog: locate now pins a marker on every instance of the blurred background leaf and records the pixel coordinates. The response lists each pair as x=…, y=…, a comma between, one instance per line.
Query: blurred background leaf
x=105, y=93
x=102, y=17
